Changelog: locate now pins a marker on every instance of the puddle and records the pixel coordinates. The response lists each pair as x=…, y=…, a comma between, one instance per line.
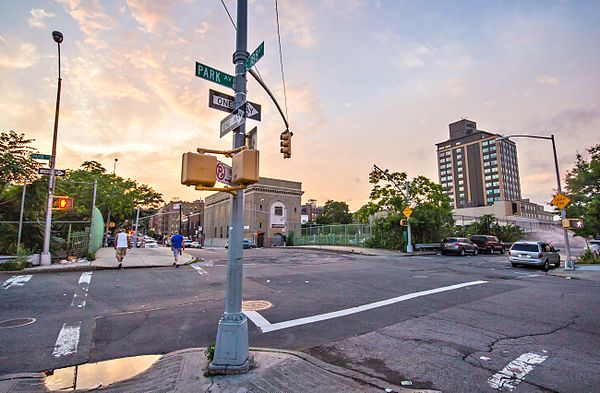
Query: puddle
x=91, y=375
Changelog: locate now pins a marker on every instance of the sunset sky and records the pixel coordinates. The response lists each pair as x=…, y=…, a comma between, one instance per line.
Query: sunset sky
x=368, y=82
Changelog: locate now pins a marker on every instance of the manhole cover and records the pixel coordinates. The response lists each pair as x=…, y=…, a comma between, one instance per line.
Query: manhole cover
x=17, y=322
x=256, y=305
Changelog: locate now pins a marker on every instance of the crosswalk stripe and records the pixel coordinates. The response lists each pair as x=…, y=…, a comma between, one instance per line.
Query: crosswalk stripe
x=16, y=281
x=67, y=341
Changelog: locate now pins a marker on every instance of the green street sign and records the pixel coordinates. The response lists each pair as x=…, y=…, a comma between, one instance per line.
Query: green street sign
x=255, y=56
x=213, y=75
x=37, y=156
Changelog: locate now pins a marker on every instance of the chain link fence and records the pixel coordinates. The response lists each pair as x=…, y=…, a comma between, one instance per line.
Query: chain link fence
x=335, y=235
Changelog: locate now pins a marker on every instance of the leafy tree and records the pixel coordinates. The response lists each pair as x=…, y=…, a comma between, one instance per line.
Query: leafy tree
x=16, y=164
x=583, y=187
x=334, y=212
x=487, y=224
x=431, y=219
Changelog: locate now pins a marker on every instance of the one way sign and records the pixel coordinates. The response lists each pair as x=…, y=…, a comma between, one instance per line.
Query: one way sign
x=224, y=102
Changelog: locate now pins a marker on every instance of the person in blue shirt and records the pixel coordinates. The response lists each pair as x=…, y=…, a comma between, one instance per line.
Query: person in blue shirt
x=177, y=246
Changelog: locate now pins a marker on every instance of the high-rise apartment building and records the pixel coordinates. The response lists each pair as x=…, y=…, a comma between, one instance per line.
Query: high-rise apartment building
x=475, y=169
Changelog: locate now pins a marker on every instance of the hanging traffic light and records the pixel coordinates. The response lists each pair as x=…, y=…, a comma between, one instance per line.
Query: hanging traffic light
x=286, y=143
x=62, y=203
x=373, y=177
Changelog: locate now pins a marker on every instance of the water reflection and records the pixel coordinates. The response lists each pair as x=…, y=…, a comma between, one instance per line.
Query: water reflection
x=93, y=375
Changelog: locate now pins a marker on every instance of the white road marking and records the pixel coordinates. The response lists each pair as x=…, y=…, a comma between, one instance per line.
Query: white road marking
x=79, y=299
x=67, y=341
x=16, y=281
x=515, y=371
x=201, y=271
x=265, y=326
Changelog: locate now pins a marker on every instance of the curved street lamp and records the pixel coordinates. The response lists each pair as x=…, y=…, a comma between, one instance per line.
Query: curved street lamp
x=45, y=258
x=563, y=213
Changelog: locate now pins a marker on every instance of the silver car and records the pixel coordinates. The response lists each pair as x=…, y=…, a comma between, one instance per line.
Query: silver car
x=534, y=253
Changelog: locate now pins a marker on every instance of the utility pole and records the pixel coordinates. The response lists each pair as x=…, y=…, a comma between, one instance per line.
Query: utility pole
x=137, y=219
x=92, y=216
x=409, y=247
x=563, y=212
x=231, y=348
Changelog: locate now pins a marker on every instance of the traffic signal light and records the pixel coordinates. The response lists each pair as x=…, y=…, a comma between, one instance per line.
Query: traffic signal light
x=286, y=143
x=62, y=203
x=373, y=177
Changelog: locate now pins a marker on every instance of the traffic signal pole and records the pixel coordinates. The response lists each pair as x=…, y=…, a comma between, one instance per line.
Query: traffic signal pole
x=409, y=246
x=231, y=348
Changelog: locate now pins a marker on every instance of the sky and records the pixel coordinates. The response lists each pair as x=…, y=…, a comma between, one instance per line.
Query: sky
x=367, y=82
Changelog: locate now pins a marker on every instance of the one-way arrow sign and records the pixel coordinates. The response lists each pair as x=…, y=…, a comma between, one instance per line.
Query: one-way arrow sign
x=224, y=102
x=233, y=121
x=46, y=171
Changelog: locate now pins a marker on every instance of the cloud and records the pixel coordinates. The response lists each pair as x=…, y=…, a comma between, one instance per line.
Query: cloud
x=91, y=18
x=547, y=80
x=415, y=55
x=37, y=17
x=17, y=55
x=299, y=24
x=152, y=14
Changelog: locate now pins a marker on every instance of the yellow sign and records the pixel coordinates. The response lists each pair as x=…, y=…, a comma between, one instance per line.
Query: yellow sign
x=407, y=211
x=560, y=201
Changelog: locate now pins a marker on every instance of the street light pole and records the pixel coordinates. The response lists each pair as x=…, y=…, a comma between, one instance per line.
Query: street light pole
x=563, y=212
x=231, y=348
x=45, y=258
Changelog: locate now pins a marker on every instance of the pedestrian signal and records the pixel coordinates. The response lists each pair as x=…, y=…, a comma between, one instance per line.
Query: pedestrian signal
x=62, y=203
x=402, y=223
x=286, y=143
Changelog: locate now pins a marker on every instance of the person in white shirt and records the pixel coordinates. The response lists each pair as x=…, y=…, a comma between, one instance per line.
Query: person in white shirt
x=122, y=244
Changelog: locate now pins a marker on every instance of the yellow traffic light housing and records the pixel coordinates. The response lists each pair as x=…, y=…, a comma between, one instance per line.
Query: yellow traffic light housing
x=62, y=203
x=286, y=143
x=245, y=167
x=198, y=169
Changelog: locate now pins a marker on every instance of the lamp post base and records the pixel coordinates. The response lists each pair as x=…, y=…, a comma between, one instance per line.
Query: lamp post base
x=45, y=259
x=231, y=349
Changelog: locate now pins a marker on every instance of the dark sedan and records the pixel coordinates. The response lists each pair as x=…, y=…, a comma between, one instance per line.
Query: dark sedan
x=458, y=245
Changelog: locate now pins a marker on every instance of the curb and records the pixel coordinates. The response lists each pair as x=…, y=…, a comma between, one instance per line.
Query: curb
x=344, y=372
x=361, y=252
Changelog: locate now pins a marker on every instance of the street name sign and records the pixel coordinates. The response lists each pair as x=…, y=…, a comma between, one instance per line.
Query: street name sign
x=37, y=156
x=560, y=201
x=214, y=75
x=224, y=102
x=46, y=171
x=255, y=56
x=233, y=121
x=223, y=173
x=407, y=211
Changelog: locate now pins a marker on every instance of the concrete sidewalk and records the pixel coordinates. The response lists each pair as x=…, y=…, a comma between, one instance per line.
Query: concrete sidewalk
x=581, y=272
x=272, y=371
x=105, y=259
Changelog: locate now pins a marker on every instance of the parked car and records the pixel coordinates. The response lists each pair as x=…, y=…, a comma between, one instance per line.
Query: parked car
x=151, y=244
x=458, y=245
x=110, y=241
x=534, y=253
x=187, y=243
x=246, y=243
x=594, y=246
x=488, y=244
x=196, y=245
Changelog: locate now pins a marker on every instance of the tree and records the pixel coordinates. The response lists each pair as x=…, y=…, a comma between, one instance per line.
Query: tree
x=431, y=219
x=583, y=187
x=16, y=164
x=334, y=212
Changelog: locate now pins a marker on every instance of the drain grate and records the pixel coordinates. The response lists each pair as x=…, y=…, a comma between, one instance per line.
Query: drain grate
x=256, y=305
x=17, y=322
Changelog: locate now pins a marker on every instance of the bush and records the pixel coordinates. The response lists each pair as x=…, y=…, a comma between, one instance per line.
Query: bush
x=589, y=257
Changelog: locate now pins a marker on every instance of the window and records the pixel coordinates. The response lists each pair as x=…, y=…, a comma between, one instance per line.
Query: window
x=461, y=188
x=460, y=175
x=486, y=157
x=460, y=169
x=294, y=210
x=279, y=210
x=460, y=182
x=458, y=163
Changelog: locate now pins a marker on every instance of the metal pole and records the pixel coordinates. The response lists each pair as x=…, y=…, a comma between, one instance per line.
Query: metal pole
x=137, y=219
x=92, y=216
x=45, y=258
x=563, y=213
x=21, y=217
x=409, y=246
x=231, y=348
x=180, y=227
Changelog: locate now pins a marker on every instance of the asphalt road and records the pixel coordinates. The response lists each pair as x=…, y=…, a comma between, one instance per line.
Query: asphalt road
x=535, y=326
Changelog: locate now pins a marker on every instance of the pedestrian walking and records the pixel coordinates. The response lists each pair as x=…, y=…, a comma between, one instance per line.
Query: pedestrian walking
x=177, y=246
x=122, y=244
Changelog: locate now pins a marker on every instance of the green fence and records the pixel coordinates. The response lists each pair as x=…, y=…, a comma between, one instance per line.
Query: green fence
x=335, y=235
